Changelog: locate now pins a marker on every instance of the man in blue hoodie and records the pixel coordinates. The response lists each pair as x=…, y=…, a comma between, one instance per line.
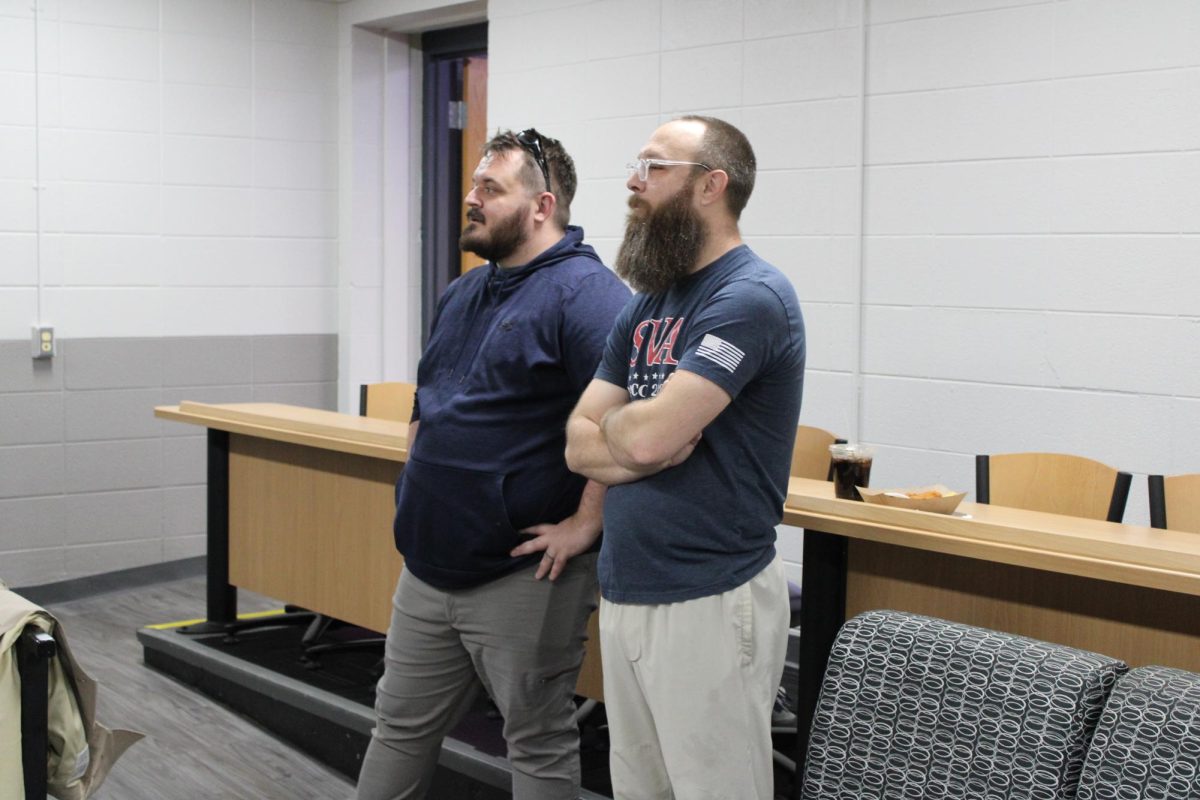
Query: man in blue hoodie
x=486, y=506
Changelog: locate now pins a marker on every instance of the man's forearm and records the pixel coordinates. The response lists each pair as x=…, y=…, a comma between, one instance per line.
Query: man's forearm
x=591, y=505
x=588, y=455
x=624, y=431
x=616, y=437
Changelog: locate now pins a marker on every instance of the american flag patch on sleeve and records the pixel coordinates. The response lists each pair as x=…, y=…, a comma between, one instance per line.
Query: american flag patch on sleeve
x=716, y=349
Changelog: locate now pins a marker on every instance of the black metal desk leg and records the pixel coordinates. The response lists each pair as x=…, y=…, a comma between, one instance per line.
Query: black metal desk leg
x=822, y=612
x=222, y=598
x=34, y=651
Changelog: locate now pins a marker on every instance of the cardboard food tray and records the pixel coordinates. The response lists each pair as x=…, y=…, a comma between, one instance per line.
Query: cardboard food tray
x=898, y=498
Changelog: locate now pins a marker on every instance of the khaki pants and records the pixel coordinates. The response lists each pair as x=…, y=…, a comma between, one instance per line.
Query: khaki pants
x=521, y=639
x=689, y=689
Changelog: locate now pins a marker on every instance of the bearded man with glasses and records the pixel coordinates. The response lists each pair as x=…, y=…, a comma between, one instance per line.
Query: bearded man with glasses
x=486, y=507
x=690, y=422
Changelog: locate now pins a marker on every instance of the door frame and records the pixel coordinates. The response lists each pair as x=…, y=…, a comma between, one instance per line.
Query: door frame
x=441, y=159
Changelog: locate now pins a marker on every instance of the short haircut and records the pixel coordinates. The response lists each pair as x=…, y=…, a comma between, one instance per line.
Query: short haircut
x=724, y=147
x=558, y=162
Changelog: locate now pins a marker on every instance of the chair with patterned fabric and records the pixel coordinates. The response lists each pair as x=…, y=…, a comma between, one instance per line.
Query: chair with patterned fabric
x=913, y=706
x=1147, y=744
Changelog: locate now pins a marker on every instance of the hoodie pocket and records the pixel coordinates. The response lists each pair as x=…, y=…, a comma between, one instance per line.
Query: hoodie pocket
x=453, y=518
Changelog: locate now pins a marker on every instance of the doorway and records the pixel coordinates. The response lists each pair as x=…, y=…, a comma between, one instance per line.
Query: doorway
x=454, y=130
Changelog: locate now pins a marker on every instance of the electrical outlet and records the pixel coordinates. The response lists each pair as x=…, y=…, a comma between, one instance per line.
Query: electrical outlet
x=43, y=342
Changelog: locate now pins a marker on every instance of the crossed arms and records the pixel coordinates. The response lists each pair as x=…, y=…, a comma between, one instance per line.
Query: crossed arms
x=611, y=440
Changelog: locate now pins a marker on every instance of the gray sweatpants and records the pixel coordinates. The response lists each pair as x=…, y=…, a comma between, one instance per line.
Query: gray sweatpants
x=520, y=638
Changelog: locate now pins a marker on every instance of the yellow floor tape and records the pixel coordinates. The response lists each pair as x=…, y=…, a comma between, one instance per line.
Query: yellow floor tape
x=162, y=626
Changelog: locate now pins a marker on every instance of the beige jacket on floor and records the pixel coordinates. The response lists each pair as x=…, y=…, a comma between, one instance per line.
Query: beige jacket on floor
x=82, y=751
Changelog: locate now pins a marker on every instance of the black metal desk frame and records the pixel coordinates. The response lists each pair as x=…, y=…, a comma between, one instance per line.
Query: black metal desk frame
x=822, y=612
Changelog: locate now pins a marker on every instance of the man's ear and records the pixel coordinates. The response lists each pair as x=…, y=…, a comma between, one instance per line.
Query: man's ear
x=712, y=188
x=546, y=204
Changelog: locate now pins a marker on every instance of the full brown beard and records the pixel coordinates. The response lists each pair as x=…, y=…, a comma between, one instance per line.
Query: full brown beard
x=506, y=236
x=661, y=245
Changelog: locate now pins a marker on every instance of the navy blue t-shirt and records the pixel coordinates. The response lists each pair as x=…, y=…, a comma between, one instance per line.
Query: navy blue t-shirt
x=708, y=524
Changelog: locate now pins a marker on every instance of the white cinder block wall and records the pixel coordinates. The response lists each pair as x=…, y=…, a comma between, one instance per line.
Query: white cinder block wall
x=186, y=154
x=168, y=202
x=1030, y=201
x=1010, y=216
x=186, y=151
x=1032, y=271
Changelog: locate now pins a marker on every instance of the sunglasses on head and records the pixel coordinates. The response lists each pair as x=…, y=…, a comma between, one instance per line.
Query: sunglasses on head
x=531, y=141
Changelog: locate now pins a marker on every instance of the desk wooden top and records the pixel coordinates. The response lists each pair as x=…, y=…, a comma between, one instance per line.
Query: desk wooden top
x=328, y=430
x=1130, y=554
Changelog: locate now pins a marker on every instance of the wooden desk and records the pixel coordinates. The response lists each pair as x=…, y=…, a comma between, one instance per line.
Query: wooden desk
x=1126, y=591
x=300, y=508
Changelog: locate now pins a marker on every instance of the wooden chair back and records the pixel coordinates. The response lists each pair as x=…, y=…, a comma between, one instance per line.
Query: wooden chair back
x=1175, y=502
x=392, y=400
x=810, y=453
x=1054, y=482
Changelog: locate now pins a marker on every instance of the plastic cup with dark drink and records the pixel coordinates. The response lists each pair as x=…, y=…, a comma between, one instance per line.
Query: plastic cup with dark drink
x=851, y=468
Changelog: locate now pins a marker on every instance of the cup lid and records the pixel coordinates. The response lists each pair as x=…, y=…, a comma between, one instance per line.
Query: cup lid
x=853, y=450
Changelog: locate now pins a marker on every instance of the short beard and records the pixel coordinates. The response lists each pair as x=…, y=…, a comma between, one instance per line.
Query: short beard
x=501, y=242
x=661, y=245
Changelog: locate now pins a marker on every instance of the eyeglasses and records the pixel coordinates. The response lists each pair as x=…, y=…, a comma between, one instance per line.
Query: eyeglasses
x=531, y=140
x=642, y=166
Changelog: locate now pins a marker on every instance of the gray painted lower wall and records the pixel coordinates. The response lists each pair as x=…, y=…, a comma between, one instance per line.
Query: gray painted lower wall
x=90, y=480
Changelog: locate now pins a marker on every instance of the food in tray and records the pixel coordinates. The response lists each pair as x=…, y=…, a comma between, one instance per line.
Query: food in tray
x=936, y=498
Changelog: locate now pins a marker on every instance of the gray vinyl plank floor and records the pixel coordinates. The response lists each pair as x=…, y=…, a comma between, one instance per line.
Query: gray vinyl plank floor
x=195, y=749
